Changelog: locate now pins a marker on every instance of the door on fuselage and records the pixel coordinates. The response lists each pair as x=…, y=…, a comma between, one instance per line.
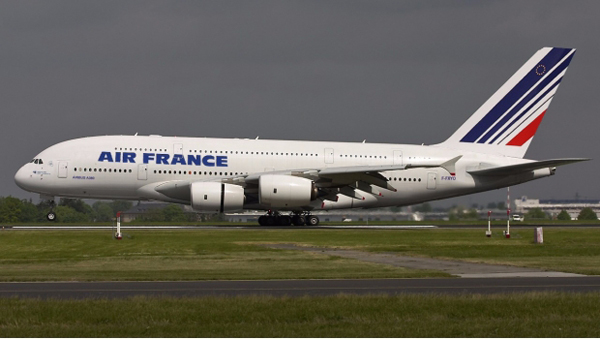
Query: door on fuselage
x=398, y=157
x=431, y=180
x=177, y=148
x=329, y=155
x=142, y=172
x=63, y=169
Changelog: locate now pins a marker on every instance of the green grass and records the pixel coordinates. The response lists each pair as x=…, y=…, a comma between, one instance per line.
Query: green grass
x=174, y=255
x=513, y=315
x=237, y=254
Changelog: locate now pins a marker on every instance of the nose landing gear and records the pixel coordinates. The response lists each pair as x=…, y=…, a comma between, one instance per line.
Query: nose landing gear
x=51, y=216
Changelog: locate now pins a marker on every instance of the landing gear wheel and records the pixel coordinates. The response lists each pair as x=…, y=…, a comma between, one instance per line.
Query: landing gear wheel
x=298, y=220
x=51, y=216
x=284, y=220
x=270, y=220
x=262, y=220
x=312, y=220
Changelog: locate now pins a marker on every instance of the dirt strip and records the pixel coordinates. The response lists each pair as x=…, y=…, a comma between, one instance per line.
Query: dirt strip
x=457, y=268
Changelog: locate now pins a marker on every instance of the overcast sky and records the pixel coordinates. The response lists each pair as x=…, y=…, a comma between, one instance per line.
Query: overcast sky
x=385, y=71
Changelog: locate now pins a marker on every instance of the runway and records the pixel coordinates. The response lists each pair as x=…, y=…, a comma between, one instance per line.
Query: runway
x=295, y=288
x=256, y=227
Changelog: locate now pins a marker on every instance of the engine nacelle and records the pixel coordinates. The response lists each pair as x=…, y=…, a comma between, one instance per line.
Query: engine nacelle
x=216, y=197
x=277, y=191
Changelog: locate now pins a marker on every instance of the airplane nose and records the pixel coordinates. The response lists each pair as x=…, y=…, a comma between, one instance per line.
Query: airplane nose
x=21, y=178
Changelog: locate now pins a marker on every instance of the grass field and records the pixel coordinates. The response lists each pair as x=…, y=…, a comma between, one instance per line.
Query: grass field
x=236, y=254
x=513, y=315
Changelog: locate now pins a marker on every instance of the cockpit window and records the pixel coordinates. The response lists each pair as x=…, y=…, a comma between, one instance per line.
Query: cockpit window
x=40, y=162
x=37, y=161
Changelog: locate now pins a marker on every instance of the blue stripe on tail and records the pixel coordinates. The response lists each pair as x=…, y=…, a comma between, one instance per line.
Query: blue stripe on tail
x=527, y=99
x=528, y=81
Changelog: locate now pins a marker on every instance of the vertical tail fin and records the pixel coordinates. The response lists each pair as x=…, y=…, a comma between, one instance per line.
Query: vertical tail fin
x=506, y=123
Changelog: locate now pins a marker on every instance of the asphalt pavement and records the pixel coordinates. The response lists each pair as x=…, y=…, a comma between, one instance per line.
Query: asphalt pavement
x=295, y=288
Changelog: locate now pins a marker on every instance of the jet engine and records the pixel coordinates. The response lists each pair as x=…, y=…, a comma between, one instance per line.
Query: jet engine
x=277, y=191
x=216, y=197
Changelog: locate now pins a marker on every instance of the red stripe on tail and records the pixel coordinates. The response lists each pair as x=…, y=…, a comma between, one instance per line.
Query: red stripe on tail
x=527, y=133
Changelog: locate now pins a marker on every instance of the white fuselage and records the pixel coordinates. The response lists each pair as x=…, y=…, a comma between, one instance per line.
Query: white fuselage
x=123, y=167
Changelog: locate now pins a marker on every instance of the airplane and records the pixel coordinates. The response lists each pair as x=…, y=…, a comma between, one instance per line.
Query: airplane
x=291, y=179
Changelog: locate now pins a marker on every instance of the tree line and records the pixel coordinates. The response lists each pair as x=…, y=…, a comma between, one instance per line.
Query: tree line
x=13, y=210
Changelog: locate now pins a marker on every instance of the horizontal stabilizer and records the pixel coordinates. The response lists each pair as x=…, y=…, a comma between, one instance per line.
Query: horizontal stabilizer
x=526, y=167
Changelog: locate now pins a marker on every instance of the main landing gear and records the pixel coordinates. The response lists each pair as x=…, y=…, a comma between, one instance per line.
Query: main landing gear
x=273, y=218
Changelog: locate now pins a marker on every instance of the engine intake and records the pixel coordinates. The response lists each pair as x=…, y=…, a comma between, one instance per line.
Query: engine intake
x=277, y=191
x=216, y=197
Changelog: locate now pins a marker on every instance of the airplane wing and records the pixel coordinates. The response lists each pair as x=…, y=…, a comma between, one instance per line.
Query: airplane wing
x=349, y=175
x=332, y=177
x=526, y=167
x=448, y=165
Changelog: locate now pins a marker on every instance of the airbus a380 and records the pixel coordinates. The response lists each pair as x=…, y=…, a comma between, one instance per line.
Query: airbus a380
x=290, y=179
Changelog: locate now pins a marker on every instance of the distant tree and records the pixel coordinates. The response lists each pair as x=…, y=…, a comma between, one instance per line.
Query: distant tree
x=536, y=213
x=501, y=205
x=10, y=209
x=69, y=215
x=103, y=211
x=120, y=205
x=563, y=215
x=492, y=206
x=587, y=214
x=174, y=213
x=29, y=212
x=76, y=204
x=152, y=215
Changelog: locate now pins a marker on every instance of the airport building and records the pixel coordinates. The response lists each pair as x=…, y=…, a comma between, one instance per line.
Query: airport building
x=554, y=206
